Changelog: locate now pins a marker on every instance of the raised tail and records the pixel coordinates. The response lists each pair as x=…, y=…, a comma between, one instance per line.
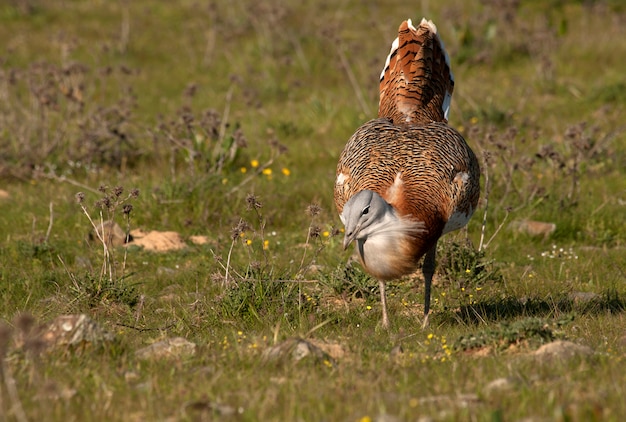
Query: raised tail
x=416, y=83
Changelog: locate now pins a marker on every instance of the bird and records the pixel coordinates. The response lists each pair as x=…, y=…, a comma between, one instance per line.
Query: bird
x=406, y=178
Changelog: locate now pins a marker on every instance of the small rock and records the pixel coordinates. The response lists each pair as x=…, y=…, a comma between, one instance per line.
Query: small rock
x=303, y=349
x=296, y=349
x=218, y=409
x=534, y=228
x=74, y=330
x=144, y=386
x=169, y=348
x=459, y=400
x=165, y=271
x=386, y=417
x=335, y=350
x=4, y=194
x=562, y=349
x=580, y=298
x=500, y=384
x=278, y=380
x=131, y=376
x=111, y=232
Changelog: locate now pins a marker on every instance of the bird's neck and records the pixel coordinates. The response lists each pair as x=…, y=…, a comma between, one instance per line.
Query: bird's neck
x=388, y=248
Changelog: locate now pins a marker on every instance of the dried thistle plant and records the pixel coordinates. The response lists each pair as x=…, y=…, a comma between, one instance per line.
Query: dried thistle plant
x=202, y=142
x=111, y=201
x=237, y=233
x=314, y=231
x=252, y=202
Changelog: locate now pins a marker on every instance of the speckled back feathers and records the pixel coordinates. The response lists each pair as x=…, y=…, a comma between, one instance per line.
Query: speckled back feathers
x=415, y=169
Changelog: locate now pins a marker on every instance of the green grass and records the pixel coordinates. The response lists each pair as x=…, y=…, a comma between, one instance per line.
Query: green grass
x=178, y=101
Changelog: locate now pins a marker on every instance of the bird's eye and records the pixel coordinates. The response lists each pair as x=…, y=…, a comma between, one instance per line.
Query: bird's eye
x=365, y=210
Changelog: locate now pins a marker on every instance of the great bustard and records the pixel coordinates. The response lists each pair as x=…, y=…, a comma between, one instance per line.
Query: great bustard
x=406, y=178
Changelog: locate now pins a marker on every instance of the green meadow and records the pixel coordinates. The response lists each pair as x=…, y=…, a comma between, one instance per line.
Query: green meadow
x=215, y=128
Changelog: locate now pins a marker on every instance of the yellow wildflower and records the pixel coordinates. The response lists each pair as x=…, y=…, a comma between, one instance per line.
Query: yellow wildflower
x=286, y=171
x=254, y=163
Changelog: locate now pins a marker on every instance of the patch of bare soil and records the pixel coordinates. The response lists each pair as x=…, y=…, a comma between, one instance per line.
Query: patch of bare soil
x=157, y=241
x=199, y=240
x=534, y=228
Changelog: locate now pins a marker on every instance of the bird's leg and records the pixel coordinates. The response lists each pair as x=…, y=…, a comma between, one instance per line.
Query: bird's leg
x=383, y=302
x=428, y=269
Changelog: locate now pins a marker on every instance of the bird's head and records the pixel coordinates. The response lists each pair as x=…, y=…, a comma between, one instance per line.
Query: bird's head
x=362, y=215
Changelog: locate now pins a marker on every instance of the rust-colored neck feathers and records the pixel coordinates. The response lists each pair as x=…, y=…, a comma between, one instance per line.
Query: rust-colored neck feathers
x=416, y=84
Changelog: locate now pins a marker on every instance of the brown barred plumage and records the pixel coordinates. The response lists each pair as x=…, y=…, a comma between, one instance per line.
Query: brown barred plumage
x=406, y=178
x=416, y=83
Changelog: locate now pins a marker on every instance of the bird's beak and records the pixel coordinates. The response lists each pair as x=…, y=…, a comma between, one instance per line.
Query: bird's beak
x=349, y=238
